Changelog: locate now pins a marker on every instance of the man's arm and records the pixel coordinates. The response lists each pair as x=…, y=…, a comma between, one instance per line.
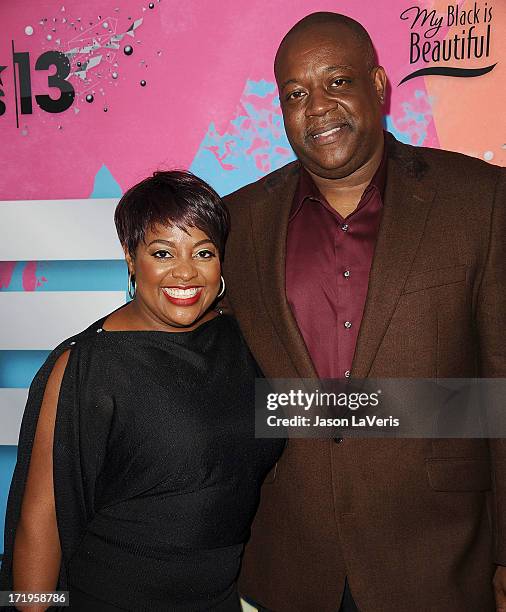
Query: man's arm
x=491, y=323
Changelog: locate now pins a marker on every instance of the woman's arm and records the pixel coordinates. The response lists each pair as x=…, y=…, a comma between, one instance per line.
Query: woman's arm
x=37, y=552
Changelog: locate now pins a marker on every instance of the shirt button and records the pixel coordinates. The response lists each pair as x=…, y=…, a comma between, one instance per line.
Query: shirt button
x=346, y=274
x=338, y=440
x=347, y=374
x=345, y=227
x=347, y=324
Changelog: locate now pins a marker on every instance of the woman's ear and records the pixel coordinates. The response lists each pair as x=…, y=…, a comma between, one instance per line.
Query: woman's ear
x=130, y=262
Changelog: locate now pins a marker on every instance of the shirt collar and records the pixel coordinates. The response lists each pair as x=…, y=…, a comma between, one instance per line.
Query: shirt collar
x=307, y=189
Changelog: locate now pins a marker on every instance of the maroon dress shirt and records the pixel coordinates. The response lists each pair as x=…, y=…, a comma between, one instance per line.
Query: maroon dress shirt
x=328, y=260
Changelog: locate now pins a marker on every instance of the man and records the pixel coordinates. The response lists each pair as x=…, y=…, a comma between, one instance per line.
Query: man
x=371, y=258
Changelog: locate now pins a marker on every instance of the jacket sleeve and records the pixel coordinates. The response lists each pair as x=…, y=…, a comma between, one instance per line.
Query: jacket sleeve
x=491, y=326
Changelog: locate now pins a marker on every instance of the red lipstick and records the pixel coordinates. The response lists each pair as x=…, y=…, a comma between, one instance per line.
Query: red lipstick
x=181, y=300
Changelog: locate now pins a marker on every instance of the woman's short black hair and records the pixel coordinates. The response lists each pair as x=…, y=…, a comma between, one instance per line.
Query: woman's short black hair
x=175, y=198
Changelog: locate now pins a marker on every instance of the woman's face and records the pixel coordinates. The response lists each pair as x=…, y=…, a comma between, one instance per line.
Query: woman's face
x=177, y=274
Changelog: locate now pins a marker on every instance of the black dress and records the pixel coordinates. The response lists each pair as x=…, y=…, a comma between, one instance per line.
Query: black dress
x=157, y=470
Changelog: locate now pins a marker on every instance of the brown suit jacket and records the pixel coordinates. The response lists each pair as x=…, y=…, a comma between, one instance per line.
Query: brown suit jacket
x=414, y=524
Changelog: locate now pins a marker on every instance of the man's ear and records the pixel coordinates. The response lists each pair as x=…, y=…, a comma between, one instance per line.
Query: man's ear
x=380, y=82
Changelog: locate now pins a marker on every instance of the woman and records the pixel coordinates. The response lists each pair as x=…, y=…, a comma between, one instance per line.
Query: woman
x=138, y=471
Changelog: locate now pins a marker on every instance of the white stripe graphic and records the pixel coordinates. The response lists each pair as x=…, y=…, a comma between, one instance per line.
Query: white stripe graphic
x=12, y=404
x=39, y=230
x=41, y=320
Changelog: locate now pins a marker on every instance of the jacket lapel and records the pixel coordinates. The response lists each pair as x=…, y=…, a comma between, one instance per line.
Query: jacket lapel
x=406, y=205
x=269, y=218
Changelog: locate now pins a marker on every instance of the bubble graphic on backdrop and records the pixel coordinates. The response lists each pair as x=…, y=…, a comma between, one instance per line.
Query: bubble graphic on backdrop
x=89, y=45
x=89, y=50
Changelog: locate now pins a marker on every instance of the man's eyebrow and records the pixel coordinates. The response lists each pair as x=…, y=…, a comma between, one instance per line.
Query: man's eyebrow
x=327, y=69
x=283, y=85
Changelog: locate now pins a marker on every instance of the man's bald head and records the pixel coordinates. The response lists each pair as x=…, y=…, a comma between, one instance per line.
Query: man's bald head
x=331, y=92
x=328, y=20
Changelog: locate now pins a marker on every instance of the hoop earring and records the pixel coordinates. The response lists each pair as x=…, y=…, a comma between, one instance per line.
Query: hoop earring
x=131, y=285
x=222, y=287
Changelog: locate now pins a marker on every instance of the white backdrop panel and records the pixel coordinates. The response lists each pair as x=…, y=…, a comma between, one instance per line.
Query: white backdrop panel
x=12, y=404
x=43, y=319
x=38, y=230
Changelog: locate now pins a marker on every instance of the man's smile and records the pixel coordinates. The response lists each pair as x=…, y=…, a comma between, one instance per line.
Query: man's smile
x=328, y=133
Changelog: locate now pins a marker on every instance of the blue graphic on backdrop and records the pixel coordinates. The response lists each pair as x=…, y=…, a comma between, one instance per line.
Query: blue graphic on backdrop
x=411, y=126
x=105, y=185
x=253, y=144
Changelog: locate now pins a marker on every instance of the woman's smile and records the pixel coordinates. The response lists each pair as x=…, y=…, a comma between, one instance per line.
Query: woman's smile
x=183, y=296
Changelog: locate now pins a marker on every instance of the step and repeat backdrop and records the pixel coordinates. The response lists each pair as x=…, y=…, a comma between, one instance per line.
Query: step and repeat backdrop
x=96, y=95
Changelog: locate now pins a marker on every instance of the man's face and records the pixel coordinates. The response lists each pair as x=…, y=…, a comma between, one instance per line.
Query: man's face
x=331, y=100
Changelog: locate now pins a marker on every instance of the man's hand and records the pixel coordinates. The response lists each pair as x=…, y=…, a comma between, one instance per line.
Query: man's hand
x=500, y=588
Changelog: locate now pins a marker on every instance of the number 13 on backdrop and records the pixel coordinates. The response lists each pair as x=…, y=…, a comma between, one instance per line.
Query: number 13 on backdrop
x=58, y=94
